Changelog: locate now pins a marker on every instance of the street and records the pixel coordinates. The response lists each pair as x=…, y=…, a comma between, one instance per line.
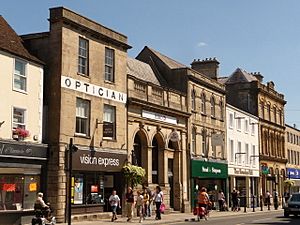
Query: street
x=260, y=219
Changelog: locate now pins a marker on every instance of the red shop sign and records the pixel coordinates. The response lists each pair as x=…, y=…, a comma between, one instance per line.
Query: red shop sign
x=9, y=187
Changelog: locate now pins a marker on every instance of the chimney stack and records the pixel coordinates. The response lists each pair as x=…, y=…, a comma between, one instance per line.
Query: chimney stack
x=208, y=67
x=258, y=76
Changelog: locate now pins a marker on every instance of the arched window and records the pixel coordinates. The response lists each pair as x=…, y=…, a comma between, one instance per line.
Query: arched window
x=193, y=147
x=212, y=107
x=203, y=103
x=193, y=98
x=262, y=109
x=221, y=110
x=275, y=114
x=269, y=111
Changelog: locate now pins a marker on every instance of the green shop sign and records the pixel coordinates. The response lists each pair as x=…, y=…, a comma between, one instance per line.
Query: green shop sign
x=204, y=169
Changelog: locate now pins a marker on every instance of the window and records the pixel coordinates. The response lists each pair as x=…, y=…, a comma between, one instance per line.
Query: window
x=221, y=110
x=193, y=141
x=288, y=156
x=212, y=107
x=204, y=148
x=193, y=98
x=20, y=75
x=82, y=116
x=109, y=64
x=231, y=120
x=83, y=58
x=246, y=126
x=253, y=156
x=203, y=103
x=109, y=122
x=275, y=114
x=280, y=117
x=247, y=156
x=288, y=136
x=252, y=128
x=262, y=106
x=231, y=147
x=239, y=150
x=19, y=118
x=239, y=124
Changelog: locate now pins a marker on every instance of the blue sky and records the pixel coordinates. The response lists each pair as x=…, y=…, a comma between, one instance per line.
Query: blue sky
x=256, y=35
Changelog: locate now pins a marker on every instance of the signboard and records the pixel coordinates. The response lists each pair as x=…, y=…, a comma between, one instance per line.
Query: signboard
x=15, y=150
x=174, y=136
x=264, y=168
x=293, y=173
x=159, y=117
x=91, y=89
x=217, y=139
x=77, y=183
x=33, y=187
x=84, y=160
x=108, y=129
x=203, y=169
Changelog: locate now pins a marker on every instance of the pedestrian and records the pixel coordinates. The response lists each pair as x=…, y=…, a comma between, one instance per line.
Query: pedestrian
x=235, y=200
x=275, y=199
x=114, y=202
x=221, y=200
x=139, y=205
x=268, y=199
x=146, y=199
x=158, y=199
x=151, y=196
x=203, y=201
x=129, y=198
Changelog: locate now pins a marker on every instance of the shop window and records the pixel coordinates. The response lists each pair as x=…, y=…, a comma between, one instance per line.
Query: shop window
x=20, y=79
x=18, y=192
x=109, y=122
x=82, y=117
x=19, y=118
x=83, y=57
x=109, y=64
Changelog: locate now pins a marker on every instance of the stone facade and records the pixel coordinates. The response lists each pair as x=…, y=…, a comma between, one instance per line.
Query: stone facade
x=65, y=84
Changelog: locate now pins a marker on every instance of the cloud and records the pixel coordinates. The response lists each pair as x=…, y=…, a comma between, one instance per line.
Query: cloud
x=201, y=44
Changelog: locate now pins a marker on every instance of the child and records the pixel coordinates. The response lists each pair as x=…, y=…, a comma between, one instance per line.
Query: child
x=139, y=205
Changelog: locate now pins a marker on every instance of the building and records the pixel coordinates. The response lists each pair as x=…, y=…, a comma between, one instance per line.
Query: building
x=207, y=165
x=293, y=155
x=243, y=152
x=85, y=97
x=247, y=91
x=23, y=157
x=157, y=121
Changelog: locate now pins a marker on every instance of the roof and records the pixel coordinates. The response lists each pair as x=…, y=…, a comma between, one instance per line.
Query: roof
x=141, y=71
x=12, y=43
x=171, y=63
x=239, y=76
x=222, y=80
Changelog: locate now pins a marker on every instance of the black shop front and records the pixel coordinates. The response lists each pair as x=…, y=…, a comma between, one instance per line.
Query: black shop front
x=95, y=174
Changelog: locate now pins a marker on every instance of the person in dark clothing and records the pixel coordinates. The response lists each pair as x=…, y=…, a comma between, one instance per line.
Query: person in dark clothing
x=234, y=198
x=129, y=197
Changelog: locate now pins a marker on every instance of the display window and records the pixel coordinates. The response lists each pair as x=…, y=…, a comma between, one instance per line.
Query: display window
x=18, y=192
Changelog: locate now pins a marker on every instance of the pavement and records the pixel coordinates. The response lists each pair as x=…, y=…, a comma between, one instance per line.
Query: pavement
x=184, y=218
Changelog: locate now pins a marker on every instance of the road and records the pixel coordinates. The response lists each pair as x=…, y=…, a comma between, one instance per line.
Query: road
x=270, y=218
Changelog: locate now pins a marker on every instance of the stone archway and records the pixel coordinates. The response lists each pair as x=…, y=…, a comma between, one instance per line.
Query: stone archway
x=157, y=159
x=140, y=145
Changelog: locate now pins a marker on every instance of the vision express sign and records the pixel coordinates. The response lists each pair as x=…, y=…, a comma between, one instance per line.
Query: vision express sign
x=98, y=161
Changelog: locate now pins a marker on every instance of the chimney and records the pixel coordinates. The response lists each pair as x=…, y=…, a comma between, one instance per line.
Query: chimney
x=295, y=126
x=258, y=76
x=208, y=67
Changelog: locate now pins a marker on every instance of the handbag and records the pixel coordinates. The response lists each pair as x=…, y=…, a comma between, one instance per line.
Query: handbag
x=195, y=211
x=162, y=208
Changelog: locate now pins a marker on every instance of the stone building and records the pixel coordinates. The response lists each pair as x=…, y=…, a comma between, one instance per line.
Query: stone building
x=85, y=97
x=247, y=92
x=157, y=121
x=292, y=137
x=23, y=157
x=205, y=98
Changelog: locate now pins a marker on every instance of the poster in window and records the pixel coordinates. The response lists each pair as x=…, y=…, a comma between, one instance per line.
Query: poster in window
x=108, y=129
x=94, y=189
x=78, y=190
x=33, y=187
x=9, y=187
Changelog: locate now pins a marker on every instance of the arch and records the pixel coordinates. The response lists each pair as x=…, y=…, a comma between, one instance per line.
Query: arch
x=157, y=145
x=140, y=145
x=212, y=106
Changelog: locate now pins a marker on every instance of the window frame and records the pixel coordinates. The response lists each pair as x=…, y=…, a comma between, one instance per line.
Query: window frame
x=194, y=140
x=246, y=126
x=22, y=76
x=193, y=100
x=23, y=125
x=79, y=66
x=203, y=104
x=231, y=120
x=113, y=123
x=110, y=66
x=213, y=107
x=87, y=118
x=239, y=124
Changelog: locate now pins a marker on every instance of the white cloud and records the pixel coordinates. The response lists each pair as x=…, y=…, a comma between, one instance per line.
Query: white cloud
x=201, y=44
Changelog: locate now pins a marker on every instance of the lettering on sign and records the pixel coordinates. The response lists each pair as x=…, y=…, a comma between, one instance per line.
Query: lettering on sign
x=91, y=89
x=22, y=150
x=211, y=170
x=92, y=160
x=159, y=117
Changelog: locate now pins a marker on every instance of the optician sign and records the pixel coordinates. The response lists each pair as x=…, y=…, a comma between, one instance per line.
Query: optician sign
x=159, y=117
x=91, y=89
x=293, y=173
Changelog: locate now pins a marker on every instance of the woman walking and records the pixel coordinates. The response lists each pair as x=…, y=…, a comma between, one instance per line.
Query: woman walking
x=158, y=199
x=129, y=203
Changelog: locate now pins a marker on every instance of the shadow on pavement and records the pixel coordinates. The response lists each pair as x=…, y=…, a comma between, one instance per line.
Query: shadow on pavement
x=292, y=220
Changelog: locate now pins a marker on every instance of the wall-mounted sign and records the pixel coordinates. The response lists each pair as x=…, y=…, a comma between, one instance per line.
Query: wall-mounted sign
x=108, y=129
x=174, y=136
x=204, y=169
x=85, y=160
x=264, y=168
x=159, y=117
x=293, y=173
x=91, y=89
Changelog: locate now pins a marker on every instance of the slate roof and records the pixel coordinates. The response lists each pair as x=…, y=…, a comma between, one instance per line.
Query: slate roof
x=240, y=75
x=141, y=71
x=171, y=63
x=12, y=43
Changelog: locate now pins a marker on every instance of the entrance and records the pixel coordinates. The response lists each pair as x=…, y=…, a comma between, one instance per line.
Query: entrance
x=171, y=181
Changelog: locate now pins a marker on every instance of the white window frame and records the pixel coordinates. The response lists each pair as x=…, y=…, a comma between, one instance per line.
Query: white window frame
x=22, y=125
x=231, y=120
x=247, y=155
x=22, y=76
x=239, y=124
x=85, y=57
x=246, y=126
x=231, y=149
x=254, y=160
x=239, y=150
x=253, y=129
x=85, y=117
x=109, y=76
x=114, y=110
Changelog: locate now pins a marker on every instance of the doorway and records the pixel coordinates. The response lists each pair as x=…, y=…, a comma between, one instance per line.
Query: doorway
x=171, y=181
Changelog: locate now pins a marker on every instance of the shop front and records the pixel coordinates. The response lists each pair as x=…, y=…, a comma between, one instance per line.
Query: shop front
x=22, y=176
x=95, y=174
x=211, y=175
x=293, y=174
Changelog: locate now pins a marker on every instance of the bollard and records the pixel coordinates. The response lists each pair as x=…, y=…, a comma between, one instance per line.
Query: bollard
x=253, y=202
x=261, y=202
x=245, y=206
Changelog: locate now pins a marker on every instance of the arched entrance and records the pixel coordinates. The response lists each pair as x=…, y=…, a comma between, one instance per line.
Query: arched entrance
x=139, y=157
x=157, y=159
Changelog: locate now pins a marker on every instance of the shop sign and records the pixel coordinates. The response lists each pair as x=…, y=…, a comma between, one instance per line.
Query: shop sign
x=264, y=168
x=85, y=160
x=108, y=129
x=159, y=117
x=243, y=171
x=293, y=173
x=91, y=89
x=174, y=136
x=22, y=150
x=203, y=169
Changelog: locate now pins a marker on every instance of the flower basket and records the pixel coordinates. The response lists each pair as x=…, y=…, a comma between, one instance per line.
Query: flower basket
x=20, y=133
x=134, y=175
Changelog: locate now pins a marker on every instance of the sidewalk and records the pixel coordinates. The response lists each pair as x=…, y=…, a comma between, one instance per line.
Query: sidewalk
x=176, y=217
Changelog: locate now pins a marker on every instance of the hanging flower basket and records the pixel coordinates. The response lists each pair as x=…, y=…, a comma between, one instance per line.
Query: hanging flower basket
x=289, y=183
x=20, y=133
x=134, y=175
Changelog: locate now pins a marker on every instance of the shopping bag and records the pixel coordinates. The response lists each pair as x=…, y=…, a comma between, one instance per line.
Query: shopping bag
x=162, y=208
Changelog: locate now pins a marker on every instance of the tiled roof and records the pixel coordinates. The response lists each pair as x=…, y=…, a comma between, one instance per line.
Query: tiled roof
x=12, y=43
x=141, y=71
x=171, y=63
x=240, y=75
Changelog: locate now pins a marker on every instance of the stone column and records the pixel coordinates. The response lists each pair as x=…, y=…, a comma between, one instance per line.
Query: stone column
x=149, y=164
x=177, y=189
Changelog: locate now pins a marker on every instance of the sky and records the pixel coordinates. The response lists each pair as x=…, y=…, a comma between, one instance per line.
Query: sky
x=255, y=35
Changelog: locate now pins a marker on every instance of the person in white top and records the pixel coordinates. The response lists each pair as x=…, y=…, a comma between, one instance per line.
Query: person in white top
x=114, y=202
x=221, y=200
x=139, y=205
x=158, y=199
